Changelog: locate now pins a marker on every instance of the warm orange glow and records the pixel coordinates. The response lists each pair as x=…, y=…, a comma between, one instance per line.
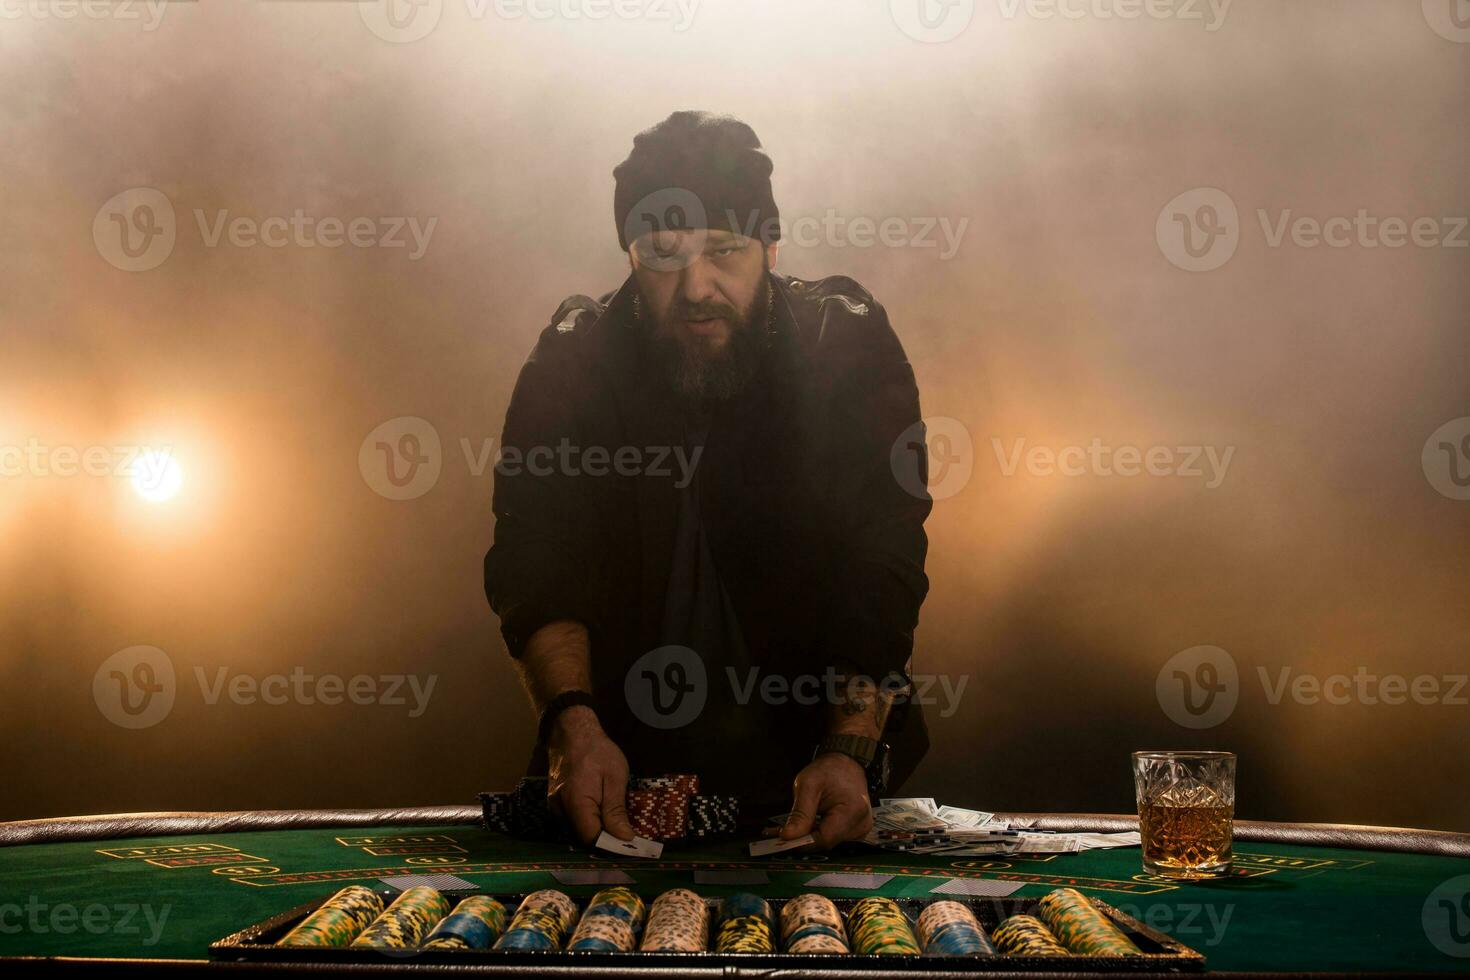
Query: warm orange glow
x=157, y=476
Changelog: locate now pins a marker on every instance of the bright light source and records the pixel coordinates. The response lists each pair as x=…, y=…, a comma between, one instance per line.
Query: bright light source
x=157, y=476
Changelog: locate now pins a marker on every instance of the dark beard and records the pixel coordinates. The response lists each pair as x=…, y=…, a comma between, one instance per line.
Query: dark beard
x=694, y=372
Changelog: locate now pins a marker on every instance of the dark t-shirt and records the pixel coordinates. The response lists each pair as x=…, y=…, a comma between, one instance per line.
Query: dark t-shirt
x=699, y=614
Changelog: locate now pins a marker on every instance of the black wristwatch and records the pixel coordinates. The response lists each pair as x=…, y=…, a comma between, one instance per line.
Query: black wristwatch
x=869, y=753
x=554, y=707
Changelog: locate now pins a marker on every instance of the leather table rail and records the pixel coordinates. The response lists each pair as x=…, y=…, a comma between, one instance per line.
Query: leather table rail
x=115, y=826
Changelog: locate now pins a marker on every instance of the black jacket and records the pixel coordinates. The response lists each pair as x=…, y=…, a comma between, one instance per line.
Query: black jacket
x=818, y=542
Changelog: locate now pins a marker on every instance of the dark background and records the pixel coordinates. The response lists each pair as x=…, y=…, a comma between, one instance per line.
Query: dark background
x=1059, y=320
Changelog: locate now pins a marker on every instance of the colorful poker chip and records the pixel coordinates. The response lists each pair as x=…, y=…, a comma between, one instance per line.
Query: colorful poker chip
x=951, y=929
x=405, y=923
x=745, y=934
x=475, y=923
x=878, y=925
x=337, y=921
x=678, y=921
x=744, y=924
x=743, y=904
x=811, y=924
x=1081, y=927
x=612, y=922
x=542, y=921
x=602, y=933
x=817, y=939
x=1026, y=935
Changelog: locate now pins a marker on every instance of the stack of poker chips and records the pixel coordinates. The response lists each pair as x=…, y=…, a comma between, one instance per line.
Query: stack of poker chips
x=1081, y=927
x=337, y=921
x=812, y=924
x=525, y=812
x=951, y=929
x=658, y=808
x=1026, y=935
x=662, y=808
x=542, y=921
x=713, y=816
x=475, y=923
x=878, y=925
x=670, y=808
x=405, y=923
x=743, y=924
x=678, y=922
x=611, y=924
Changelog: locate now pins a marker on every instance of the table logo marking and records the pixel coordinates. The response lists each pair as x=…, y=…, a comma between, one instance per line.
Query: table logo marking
x=167, y=850
x=204, y=860
x=394, y=850
x=400, y=839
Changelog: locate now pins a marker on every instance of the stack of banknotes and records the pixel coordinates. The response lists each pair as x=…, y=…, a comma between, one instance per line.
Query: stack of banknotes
x=918, y=825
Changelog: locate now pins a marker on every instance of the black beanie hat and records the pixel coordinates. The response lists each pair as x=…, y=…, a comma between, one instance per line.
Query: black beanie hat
x=695, y=170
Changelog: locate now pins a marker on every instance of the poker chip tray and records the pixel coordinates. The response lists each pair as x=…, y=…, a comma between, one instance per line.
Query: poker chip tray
x=256, y=943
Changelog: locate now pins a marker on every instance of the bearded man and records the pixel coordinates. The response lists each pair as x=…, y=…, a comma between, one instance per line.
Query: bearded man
x=705, y=559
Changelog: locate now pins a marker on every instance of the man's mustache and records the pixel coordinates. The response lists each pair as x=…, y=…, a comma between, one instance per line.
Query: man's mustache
x=706, y=312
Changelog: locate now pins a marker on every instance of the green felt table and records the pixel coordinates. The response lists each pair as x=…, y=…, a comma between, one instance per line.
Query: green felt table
x=1286, y=907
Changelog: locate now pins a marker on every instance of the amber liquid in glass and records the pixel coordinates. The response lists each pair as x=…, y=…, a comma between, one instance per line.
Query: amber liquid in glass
x=1186, y=841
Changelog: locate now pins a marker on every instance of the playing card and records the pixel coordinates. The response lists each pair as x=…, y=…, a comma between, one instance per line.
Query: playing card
x=441, y=882
x=977, y=886
x=775, y=845
x=638, y=847
x=835, y=879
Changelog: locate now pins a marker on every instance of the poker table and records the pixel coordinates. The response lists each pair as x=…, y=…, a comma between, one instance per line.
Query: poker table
x=146, y=894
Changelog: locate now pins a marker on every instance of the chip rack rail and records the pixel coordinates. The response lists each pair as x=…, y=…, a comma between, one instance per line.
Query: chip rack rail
x=1161, y=954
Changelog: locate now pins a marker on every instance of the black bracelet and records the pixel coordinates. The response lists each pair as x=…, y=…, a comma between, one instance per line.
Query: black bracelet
x=554, y=707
